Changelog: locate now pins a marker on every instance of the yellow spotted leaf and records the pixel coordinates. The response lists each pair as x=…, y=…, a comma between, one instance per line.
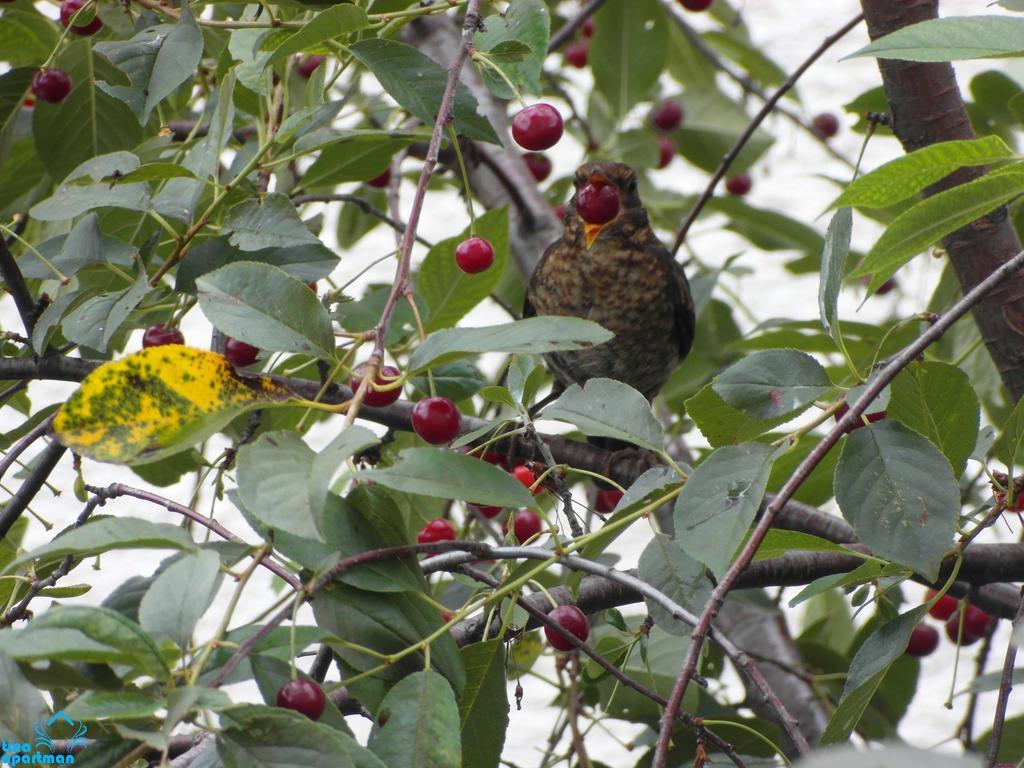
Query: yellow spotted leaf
x=157, y=402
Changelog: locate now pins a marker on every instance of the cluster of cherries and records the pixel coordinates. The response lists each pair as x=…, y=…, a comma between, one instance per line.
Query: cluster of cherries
x=976, y=624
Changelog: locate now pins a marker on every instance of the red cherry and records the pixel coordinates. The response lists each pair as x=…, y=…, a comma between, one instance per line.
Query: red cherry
x=571, y=618
x=525, y=525
x=871, y=417
x=159, y=336
x=51, y=85
x=436, y=420
x=923, y=641
x=884, y=288
x=606, y=501
x=825, y=125
x=560, y=212
x=696, y=5
x=474, y=255
x=447, y=616
x=84, y=28
x=666, y=151
x=976, y=621
x=488, y=512
x=307, y=65
x=28, y=102
x=944, y=607
x=667, y=116
x=381, y=181
x=587, y=28
x=525, y=475
x=738, y=185
x=440, y=529
x=497, y=459
x=537, y=127
x=377, y=398
x=953, y=627
x=576, y=53
x=303, y=696
x=597, y=203
x=539, y=165
x=239, y=353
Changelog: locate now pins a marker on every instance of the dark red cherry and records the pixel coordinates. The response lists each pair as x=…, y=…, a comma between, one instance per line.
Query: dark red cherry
x=597, y=203
x=159, y=336
x=378, y=398
x=303, y=696
x=571, y=618
x=537, y=127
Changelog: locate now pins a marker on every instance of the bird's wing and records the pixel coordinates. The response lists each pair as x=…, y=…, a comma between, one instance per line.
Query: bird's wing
x=678, y=288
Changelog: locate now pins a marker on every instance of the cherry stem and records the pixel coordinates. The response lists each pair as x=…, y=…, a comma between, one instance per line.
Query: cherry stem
x=465, y=179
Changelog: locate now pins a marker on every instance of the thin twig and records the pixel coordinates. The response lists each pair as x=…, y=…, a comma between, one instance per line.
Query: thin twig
x=116, y=490
x=753, y=126
x=364, y=205
x=852, y=417
x=19, y=447
x=567, y=30
x=400, y=285
x=1005, y=686
x=744, y=82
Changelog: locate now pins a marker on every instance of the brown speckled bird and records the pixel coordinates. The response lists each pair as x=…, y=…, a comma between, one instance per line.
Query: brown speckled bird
x=619, y=275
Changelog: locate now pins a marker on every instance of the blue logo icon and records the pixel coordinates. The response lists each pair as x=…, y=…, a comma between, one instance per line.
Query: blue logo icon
x=45, y=752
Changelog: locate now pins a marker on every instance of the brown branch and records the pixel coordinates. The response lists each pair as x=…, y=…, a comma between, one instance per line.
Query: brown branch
x=17, y=287
x=1005, y=685
x=885, y=375
x=926, y=107
x=19, y=447
x=18, y=503
x=752, y=127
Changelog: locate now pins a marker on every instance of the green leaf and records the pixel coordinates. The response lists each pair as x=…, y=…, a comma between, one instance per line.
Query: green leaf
x=306, y=263
x=94, y=322
x=526, y=24
x=872, y=660
x=633, y=41
x=422, y=724
x=179, y=596
x=268, y=737
x=122, y=705
x=897, y=491
x=773, y=383
x=456, y=381
x=87, y=122
x=27, y=37
x=80, y=633
x=767, y=229
x=719, y=501
x=1011, y=746
x=152, y=172
x=156, y=61
x=107, y=534
x=722, y=424
x=954, y=38
x=1007, y=447
x=713, y=124
x=335, y=22
x=274, y=223
x=451, y=293
x=833, y=267
x=387, y=626
x=70, y=200
x=417, y=83
x=937, y=400
x=14, y=85
x=935, y=217
x=352, y=161
x=909, y=174
x=448, y=475
x=264, y=306
x=273, y=481
x=668, y=569
x=609, y=408
x=780, y=542
x=21, y=705
x=535, y=335
x=483, y=705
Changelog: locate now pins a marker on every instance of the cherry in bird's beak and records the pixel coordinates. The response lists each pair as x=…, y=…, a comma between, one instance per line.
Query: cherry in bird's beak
x=592, y=231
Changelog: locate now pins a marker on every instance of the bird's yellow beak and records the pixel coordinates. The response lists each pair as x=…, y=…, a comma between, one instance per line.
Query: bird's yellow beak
x=591, y=231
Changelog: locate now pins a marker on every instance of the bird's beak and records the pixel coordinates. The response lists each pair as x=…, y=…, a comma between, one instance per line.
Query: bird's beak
x=591, y=231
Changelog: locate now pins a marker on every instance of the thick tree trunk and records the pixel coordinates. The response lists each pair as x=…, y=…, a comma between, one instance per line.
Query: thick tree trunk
x=927, y=108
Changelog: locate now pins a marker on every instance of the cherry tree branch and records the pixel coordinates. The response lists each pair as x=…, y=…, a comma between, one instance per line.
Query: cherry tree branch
x=1005, y=685
x=46, y=462
x=759, y=118
x=401, y=282
x=17, y=287
x=567, y=30
x=874, y=388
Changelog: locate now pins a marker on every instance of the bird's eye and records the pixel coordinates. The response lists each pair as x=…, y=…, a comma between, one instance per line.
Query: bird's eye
x=632, y=186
